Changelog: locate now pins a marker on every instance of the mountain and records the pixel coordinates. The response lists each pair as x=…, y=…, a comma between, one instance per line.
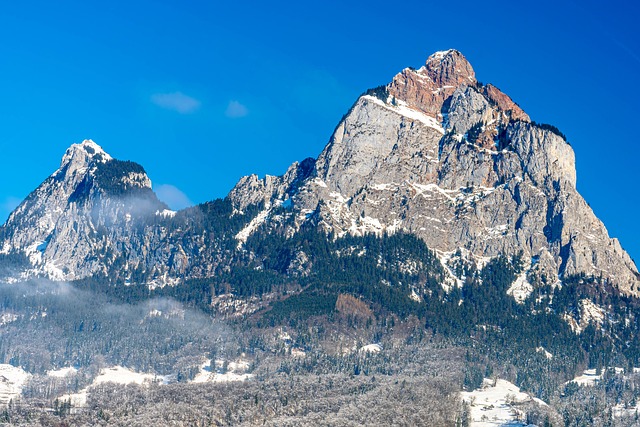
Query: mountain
x=98, y=216
x=457, y=163
x=435, y=154
x=71, y=224
x=437, y=240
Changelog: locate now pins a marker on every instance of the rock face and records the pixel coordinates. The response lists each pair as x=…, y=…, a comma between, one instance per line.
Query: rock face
x=458, y=164
x=73, y=223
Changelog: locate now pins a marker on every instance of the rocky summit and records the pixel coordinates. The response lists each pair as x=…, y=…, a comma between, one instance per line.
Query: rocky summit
x=434, y=153
x=459, y=164
x=79, y=217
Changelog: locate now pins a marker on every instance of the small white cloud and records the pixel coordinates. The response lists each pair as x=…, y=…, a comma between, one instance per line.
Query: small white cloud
x=172, y=196
x=236, y=110
x=7, y=206
x=176, y=101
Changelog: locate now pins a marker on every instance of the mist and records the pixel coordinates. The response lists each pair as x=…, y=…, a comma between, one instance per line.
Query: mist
x=51, y=325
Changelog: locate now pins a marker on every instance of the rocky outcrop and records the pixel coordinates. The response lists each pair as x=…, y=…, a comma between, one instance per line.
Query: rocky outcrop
x=427, y=88
x=460, y=165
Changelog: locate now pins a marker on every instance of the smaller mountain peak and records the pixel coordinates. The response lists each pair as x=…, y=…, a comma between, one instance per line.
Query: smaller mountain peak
x=442, y=53
x=449, y=68
x=85, y=152
x=81, y=157
x=92, y=149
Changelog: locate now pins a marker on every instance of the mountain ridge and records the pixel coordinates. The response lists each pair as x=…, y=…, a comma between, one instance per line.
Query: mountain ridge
x=434, y=153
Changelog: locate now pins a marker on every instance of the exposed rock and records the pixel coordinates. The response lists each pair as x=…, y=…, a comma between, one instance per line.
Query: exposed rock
x=504, y=103
x=429, y=87
x=459, y=165
x=92, y=216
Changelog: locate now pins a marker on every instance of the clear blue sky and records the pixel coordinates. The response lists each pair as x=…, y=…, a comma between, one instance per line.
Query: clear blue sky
x=201, y=93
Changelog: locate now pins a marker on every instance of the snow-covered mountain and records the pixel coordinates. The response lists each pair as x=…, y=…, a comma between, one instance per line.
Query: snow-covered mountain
x=438, y=239
x=70, y=224
x=434, y=153
x=437, y=154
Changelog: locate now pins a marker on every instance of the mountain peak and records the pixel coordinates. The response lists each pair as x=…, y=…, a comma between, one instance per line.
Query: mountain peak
x=90, y=193
x=449, y=68
x=79, y=158
x=460, y=165
x=85, y=152
x=428, y=88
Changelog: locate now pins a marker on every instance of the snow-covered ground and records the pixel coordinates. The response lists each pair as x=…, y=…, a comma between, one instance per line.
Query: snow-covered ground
x=6, y=318
x=587, y=378
x=371, y=348
x=11, y=381
x=234, y=371
x=590, y=378
x=495, y=404
x=62, y=372
x=116, y=374
x=620, y=410
x=121, y=375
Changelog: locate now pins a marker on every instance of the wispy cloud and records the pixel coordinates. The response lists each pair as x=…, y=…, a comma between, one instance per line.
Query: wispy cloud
x=7, y=206
x=235, y=110
x=176, y=101
x=172, y=196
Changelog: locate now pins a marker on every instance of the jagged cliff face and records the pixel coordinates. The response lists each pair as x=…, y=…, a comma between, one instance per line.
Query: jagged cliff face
x=459, y=164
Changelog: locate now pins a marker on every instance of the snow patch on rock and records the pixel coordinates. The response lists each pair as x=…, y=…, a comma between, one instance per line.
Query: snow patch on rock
x=590, y=313
x=253, y=225
x=521, y=288
x=545, y=352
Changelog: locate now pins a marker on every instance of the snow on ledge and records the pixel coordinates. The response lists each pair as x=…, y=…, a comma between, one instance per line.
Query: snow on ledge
x=408, y=112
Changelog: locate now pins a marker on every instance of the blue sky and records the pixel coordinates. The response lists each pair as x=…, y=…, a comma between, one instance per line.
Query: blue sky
x=203, y=93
